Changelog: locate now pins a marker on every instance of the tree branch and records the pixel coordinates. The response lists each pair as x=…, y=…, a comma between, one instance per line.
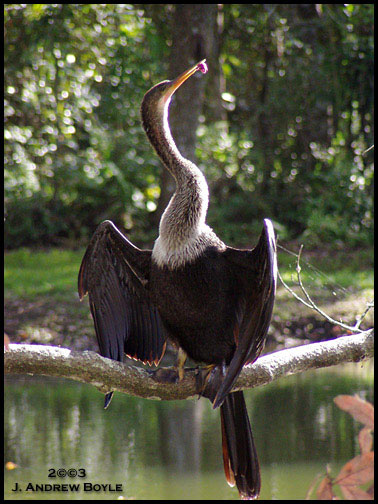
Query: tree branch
x=106, y=375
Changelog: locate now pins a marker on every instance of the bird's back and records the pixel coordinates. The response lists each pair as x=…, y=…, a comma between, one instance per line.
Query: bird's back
x=198, y=305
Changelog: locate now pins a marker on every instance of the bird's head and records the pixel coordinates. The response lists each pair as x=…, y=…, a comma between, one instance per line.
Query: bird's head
x=157, y=99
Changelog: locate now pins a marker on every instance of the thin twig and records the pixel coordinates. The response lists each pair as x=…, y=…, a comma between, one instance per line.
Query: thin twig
x=370, y=305
x=311, y=304
x=294, y=294
x=325, y=278
x=367, y=150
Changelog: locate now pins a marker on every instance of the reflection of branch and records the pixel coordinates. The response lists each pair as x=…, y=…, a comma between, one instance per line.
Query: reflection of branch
x=106, y=375
x=311, y=304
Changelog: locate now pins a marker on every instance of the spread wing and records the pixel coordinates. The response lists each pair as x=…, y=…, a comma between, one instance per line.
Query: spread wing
x=257, y=270
x=115, y=275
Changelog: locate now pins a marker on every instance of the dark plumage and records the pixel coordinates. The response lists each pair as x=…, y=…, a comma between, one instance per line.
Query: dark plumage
x=213, y=301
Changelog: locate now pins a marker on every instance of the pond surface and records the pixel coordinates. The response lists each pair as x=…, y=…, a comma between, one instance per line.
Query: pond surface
x=172, y=450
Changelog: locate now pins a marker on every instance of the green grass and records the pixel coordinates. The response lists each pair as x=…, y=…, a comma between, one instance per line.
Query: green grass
x=31, y=273
x=41, y=300
x=347, y=268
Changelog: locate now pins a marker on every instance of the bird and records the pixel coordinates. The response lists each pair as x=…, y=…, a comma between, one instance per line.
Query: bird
x=212, y=301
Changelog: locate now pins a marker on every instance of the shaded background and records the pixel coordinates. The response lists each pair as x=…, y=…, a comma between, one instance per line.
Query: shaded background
x=280, y=124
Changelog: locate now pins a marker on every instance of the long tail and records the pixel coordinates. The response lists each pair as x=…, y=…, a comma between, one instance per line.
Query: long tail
x=241, y=464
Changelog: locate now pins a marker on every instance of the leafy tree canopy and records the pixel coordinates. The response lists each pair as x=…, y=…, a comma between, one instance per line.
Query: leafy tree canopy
x=297, y=98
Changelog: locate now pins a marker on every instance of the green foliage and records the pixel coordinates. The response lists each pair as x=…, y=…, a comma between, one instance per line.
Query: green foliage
x=298, y=98
x=73, y=85
x=302, y=76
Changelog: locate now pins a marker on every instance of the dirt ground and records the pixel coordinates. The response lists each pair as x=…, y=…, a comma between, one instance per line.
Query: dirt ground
x=69, y=324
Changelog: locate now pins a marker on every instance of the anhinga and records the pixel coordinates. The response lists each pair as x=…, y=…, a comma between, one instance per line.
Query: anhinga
x=212, y=301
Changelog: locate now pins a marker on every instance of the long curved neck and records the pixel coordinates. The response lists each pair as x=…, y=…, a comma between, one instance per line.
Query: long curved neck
x=187, y=209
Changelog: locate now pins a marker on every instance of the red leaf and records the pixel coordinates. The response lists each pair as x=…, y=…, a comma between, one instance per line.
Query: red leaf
x=324, y=491
x=361, y=410
x=357, y=471
x=354, y=493
x=365, y=440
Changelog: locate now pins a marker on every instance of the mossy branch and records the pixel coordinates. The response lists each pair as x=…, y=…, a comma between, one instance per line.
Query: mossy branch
x=106, y=375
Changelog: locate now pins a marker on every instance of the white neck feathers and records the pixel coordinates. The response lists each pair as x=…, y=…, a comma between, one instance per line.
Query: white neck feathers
x=183, y=233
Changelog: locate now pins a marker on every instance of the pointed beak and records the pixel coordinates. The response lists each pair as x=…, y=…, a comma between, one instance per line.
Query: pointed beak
x=176, y=83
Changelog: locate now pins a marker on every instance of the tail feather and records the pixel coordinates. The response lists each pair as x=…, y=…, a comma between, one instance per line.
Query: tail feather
x=241, y=464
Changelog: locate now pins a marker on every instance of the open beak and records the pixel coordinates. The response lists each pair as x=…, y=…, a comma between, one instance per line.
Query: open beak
x=176, y=83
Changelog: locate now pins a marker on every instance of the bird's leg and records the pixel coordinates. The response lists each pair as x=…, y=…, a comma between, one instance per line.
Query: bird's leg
x=202, y=377
x=209, y=379
x=171, y=375
x=181, y=358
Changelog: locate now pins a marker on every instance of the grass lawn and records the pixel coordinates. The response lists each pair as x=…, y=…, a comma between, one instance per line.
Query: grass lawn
x=31, y=273
x=42, y=305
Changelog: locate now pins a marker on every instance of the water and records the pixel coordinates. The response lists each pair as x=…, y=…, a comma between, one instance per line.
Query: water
x=172, y=450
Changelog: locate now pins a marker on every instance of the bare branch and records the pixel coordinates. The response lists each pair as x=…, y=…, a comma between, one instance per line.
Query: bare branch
x=360, y=318
x=311, y=304
x=367, y=150
x=292, y=292
x=106, y=375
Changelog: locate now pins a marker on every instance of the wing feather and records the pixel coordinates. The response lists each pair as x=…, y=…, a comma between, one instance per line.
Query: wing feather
x=258, y=270
x=115, y=275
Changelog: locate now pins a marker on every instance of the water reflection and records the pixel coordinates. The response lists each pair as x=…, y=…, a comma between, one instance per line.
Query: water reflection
x=172, y=450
